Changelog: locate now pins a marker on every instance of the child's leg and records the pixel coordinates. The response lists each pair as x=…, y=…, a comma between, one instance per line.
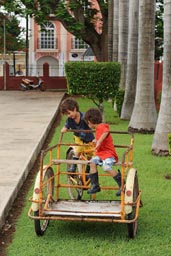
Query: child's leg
x=75, y=157
x=117, y=177
x=107, y=166
x=94, y=177
x=77, y=152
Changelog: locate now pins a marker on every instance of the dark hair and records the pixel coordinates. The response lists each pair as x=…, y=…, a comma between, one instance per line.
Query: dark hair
x=69, y=104
x=93, y=115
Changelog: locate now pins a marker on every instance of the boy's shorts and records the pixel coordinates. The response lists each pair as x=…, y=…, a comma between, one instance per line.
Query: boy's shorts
x=106, y=163
x=89, y=146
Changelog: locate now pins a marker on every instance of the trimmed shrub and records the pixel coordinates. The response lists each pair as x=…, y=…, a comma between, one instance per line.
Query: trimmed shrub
x=98, y=81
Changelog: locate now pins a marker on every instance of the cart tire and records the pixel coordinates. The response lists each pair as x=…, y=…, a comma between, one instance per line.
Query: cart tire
x=41, y=225
x=74, y=193
x=132, y=227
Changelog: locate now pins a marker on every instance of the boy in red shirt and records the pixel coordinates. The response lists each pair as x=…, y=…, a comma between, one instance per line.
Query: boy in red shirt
x=105, y=154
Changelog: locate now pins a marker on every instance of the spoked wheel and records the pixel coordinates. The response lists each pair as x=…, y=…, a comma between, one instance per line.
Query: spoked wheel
x=41, y=225
x=74, y=193
x=132, y=227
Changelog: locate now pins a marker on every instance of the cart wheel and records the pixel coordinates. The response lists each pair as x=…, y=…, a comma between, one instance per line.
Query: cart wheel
x=41, y=225
x=132, y=227
x=74, y=193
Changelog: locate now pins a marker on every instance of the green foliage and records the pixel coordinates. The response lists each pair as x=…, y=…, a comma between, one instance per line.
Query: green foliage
x=119, y=100
x=12, y=33
x=107, y=239
x=77, y=17
x=159, y=30
x=99, y=81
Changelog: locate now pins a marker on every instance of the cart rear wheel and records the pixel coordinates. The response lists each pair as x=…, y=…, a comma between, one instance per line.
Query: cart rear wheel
x=74, y=193
x=41, y=225
x=132, y=227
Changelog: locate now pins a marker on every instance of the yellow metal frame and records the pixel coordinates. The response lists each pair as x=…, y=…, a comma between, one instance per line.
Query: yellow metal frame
x=127, y=170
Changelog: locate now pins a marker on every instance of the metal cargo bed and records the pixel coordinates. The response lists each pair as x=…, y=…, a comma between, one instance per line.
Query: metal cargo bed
x=73, y=208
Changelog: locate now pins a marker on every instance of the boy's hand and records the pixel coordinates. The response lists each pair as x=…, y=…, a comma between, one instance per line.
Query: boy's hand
x=97, y=144
x=64, y=129
x=94, y=142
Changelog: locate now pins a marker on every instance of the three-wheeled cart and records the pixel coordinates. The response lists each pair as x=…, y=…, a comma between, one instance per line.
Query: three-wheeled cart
x=61, y=195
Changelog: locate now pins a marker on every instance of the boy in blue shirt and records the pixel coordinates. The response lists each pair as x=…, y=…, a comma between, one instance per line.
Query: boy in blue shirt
x=75, y=121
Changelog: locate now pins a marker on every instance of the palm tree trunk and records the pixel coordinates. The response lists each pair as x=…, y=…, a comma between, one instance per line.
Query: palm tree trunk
x=144, y=114
x=163, y=127
x=115, y=29
x=123, y=39
x=110, y=29
x=131, y=75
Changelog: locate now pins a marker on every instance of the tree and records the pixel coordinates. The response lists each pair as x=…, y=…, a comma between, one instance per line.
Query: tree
x=80, y=18
x=144, y=114
x=110, y=29
x=159, y=30
x=123, y=39
x=14, y=42
x=131, y=74
x=115, y=29
x=163, y=127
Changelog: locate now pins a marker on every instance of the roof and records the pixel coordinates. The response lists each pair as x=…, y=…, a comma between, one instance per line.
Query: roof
x=88, y=52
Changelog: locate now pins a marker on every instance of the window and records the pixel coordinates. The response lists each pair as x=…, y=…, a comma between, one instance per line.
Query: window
x=47, y=36
x=78, y=43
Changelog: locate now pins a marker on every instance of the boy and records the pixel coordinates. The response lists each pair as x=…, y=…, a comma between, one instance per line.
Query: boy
x=75, y=121
x=105, y=154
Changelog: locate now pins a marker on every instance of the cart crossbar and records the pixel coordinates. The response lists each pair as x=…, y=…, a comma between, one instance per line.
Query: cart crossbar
x=85, y=162
x=67, y=161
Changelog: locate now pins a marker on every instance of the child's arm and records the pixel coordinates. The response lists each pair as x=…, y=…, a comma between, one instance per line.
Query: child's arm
x=64, y=129
x=102, y=137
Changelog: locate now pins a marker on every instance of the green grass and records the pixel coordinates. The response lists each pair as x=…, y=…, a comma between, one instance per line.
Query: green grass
x=88, y=239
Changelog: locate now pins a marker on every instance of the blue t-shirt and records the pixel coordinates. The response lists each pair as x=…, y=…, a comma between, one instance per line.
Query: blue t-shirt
x=82, y=125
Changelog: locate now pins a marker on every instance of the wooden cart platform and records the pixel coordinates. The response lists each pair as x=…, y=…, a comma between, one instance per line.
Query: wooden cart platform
x=73, y=208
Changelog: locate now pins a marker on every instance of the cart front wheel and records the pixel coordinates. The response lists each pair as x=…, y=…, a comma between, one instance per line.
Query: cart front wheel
x=132, y=227
x=41, y=225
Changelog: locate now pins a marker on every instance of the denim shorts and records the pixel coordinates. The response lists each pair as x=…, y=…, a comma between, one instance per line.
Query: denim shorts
x=106, y=163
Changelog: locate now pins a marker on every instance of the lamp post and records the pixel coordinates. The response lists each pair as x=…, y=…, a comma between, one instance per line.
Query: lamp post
x=27, y=46
x=4, y=57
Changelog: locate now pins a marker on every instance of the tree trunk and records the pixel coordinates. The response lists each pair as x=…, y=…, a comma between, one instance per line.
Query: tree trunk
x=144, y=114
x=115, y=29
x=123, y=39
x=163, y=127
x=131, y=76
x=110, y=29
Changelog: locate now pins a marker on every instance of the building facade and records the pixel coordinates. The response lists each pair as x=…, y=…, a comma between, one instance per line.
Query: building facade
x=55, y=46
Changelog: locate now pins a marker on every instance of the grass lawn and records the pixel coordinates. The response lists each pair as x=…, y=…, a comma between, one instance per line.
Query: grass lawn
x=88, y=239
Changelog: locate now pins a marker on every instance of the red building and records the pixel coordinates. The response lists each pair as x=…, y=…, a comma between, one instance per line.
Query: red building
x=54, y=45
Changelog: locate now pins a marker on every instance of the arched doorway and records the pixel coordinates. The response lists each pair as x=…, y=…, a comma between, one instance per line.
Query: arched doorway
x=53, y=65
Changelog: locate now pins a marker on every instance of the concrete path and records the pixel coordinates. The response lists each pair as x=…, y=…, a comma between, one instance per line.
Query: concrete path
x=25, y=120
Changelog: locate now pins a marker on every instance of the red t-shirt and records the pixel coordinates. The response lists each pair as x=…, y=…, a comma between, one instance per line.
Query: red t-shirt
x=106, y=149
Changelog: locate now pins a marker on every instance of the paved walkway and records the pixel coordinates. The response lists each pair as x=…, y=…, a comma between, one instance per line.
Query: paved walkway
x=25, y=120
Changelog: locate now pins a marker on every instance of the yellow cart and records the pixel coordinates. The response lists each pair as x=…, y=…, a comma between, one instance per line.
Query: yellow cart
x=61, y=195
